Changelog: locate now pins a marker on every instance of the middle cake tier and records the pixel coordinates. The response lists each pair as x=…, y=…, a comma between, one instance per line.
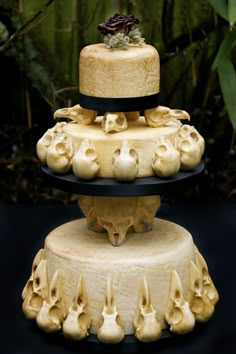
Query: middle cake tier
x=139, y=140
x=154, y=255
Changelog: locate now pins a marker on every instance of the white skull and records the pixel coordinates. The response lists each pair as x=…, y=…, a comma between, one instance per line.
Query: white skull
x=190, y=131
x=116, y=227
x=147, y=328
x=34, y=300
x=178, y=314
x=166, y=159
x=46, y=140
x=207, y=283
x=190, y=151
x=77, y=113
x=125, y=163
x=199, y=303
x=114, y=122
x=161, y=116
x=111, y=330
x=85, y=163
x=78, y=321
x=52, y=313
x=28, y=289
x=60, y=153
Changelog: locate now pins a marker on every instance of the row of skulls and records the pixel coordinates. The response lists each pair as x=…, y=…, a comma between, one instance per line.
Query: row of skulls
x=45, y=304
x=55, y=148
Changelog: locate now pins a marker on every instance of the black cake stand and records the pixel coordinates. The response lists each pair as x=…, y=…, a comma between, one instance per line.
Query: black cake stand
x=111, y=187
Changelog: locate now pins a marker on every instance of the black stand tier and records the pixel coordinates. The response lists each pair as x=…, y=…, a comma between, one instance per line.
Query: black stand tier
x=111, y=187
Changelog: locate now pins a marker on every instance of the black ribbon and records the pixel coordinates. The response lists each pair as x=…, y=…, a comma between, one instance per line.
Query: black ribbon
x=127, y=104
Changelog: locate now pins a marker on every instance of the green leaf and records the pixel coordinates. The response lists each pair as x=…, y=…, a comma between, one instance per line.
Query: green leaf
x=232, y=11
x=225, y=48
x=227, y=77
x=220, y=6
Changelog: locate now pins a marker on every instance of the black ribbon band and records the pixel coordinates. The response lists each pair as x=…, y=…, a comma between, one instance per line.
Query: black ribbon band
x=128, y=104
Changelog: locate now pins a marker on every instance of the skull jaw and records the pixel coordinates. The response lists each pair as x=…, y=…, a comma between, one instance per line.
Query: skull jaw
x=117, y=230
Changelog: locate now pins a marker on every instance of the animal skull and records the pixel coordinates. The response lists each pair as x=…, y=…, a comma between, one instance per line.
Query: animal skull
x=28, y=289
x=85, y=163
x=190, y=152
x=190, y=131
x=78, y=321
x=34, y=300
x=162, y=116
x=166, y=159
x=147, y=328
x=46, y=140
x=114, y=122
x=111, y=330
x=60, y=153
x=199, y=302
x=52, y=313
x=76, y=113
x=178, y=313
x=116, y=227
x=125, y=163
x=207, y=283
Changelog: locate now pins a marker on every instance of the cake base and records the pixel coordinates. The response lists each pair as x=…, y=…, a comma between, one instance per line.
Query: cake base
x=81, y=277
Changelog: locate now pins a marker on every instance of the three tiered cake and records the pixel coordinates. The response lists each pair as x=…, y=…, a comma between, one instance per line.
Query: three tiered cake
x=80, y=283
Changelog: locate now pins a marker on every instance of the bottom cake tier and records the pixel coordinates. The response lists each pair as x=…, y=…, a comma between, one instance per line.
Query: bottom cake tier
x=81, y=284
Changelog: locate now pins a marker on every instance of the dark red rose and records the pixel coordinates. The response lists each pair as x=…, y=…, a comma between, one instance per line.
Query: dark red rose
x=118, y=24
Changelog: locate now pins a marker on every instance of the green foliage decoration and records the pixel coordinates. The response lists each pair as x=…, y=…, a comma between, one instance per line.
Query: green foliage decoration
x=223, y=63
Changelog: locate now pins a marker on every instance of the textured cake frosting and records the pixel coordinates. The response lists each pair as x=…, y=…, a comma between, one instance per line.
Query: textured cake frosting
x=119, y=73
x=78, y=251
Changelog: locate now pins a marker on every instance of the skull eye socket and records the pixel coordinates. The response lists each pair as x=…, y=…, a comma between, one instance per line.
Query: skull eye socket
x=185, y=146
x=161, y=150
x=61, y=148
x=90, y=153
x=120, y=120
x=48, y=139
x=194, y=136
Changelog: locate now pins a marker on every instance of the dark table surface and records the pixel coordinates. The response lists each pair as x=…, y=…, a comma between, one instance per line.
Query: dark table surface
x=22, y=232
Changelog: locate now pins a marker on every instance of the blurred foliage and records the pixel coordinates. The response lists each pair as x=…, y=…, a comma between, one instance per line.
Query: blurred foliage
x=40, y=42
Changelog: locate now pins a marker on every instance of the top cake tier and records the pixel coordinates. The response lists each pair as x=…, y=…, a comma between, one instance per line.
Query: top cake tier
x=119, y=80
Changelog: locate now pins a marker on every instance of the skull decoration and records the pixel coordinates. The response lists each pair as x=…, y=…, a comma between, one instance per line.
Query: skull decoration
x=46, y=140
x=85, y=163
x=28, y=289
x=114, y=122
x=116, y=227
x=207, y=283
x=147, y=328
x=117, y=214
x=125, y=163
x=60, y=153
x=199, y=303
x=166, y=159
x=111, y=330
x=178, y=313
x=191, y=146
x=78, y=321
x=52, y=313
x=34, y=300
x=190, y=131
x=162, y=116
x=77, y=113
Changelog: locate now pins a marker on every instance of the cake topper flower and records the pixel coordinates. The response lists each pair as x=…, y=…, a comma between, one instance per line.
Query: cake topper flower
x=119, y=31
x=118, y=24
